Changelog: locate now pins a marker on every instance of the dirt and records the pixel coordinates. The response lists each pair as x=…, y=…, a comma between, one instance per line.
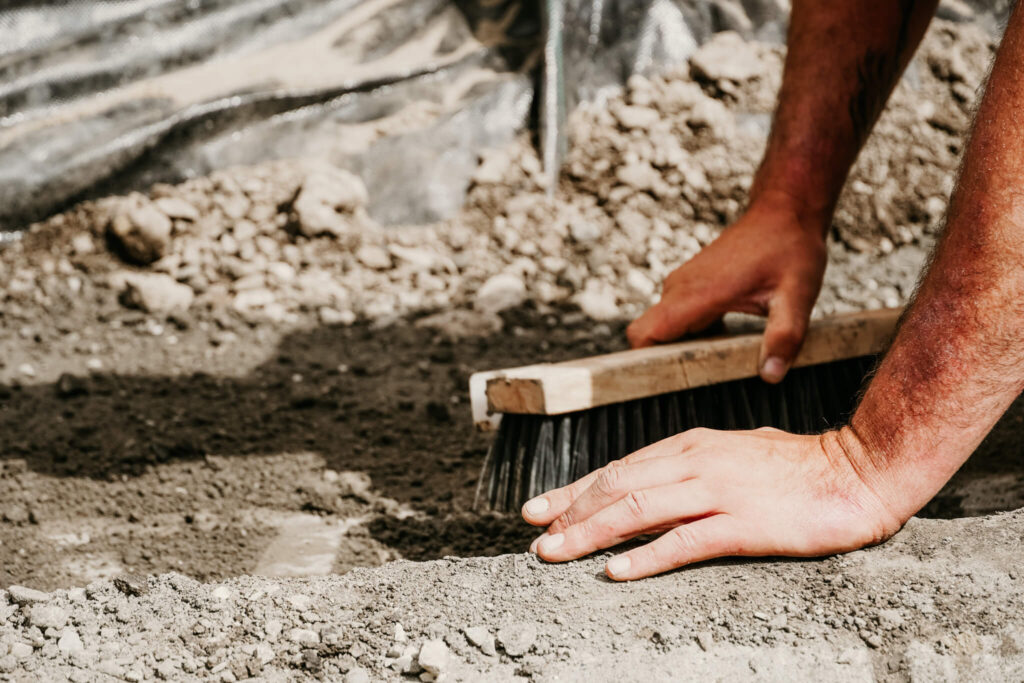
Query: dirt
x=940, y=601
x=267, y=383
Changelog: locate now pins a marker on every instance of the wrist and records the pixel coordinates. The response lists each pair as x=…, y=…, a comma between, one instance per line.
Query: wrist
x=810, y=218
x=871, y=474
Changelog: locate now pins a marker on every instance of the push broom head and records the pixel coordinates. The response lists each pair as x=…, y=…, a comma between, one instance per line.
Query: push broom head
x=557, y=422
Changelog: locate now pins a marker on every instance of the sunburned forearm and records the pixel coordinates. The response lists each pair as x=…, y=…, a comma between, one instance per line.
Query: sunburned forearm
x=844, y=57
x=958, y=360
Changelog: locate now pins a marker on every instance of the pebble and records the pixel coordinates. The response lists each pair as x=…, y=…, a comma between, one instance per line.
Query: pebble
x=221, y=593
x=705, y=640
x=598, y=300
x=727, y=56
x=132, y=584
x=176, y=207
x=156, y=293
x=303, y=636
x=47, y=616
x=482, y=638
x=21, y=650
x=70, y=643
x=517, y=639
x=434, y=656
x=140, y=228
x=374, y=257
x=357, y=675
x=26, y=596
x=500, y=292
x=328, y=201
x=27, y=370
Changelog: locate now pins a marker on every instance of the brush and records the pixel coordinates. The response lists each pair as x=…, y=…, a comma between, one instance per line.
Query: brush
x=556, y=422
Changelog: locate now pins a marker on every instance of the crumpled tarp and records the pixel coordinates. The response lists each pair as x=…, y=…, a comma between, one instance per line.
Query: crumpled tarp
x=101, y=96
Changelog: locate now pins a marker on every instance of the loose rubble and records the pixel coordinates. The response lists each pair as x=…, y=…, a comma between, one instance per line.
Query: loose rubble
x=652, y=176
x=923, y=605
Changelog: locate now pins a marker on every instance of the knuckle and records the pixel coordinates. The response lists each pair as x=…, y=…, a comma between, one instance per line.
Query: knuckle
x=638, y=504
x=683, y=542
x=610, y=479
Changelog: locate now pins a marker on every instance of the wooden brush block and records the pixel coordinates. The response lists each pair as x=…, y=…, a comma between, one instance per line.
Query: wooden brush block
x=557, y=388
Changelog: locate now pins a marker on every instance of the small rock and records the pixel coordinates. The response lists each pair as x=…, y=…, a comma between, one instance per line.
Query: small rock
x=482, y=638
x=300, y=602
x=400, y=636
x=303, y=636
x=727, y=56
x=460, y=323
x=329, y=202
x=434, y=656
x=141, y=230
x=500, y=292
x=132, y=584
x=21, y=650
x=82, y=244
x=637, y=117
x=176, y=207
x=27, y=370
x=517, y=639
x=332, y=316
x=598, y=300
x=374, y=257
x=705, y=640
x=640, y=176
x=156, y=293
x=584, y=231
x=26, y=596
x=221, y=593
x=70, y=643
x=264, y=653
x=47, y=616
x=357, y=675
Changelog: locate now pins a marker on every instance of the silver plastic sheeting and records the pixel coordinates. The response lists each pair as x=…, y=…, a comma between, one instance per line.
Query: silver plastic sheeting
x=101, y=96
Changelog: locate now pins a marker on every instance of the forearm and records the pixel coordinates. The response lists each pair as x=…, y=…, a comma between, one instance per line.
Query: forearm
x=844, y=58
x=958, y=360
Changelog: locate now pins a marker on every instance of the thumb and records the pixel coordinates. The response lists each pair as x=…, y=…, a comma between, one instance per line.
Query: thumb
x=788, y=313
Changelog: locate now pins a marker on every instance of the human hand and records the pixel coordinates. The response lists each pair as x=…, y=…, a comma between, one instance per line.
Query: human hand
x=767, y=263
x=715, y=494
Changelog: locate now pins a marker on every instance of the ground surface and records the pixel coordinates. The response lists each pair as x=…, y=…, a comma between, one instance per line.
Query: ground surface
x=240, y=376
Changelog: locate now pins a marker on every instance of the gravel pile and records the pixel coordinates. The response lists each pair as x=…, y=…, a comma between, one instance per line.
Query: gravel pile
x=654, y=174
x=941, y=601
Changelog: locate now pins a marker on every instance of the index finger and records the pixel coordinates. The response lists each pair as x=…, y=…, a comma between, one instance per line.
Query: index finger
x=546, y=508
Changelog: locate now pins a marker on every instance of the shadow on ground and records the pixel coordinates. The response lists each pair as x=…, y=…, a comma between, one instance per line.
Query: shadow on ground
x=387, y=401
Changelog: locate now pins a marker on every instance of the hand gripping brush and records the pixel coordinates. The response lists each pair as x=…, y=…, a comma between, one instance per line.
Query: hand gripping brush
x=557, y=422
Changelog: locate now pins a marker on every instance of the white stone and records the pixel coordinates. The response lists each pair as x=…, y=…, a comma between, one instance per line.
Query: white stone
x=637, y=117
x=176, y=207
x=499, y=293
x=156, y=293
x=482, y=638
x=303, y=636
x=434, y=656
x=374, y=257
x=328, y=201
x=70, y=643
x=727, y=56
x=598, y=300
x=221, y=593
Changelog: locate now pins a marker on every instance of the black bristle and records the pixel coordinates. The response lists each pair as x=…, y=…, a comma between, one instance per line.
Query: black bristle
x=535, y=453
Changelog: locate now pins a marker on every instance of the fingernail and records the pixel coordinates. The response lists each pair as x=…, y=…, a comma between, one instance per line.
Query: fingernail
x=552, y=542
x=618, y=566
x=533, y=546
x=773, y=369
x=536, y=506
